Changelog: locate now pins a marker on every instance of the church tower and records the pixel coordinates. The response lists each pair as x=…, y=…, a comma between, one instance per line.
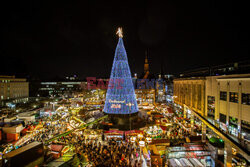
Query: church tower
x=146, y=65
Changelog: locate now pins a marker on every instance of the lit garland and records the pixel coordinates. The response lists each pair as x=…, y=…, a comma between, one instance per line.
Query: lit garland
x=120, y=97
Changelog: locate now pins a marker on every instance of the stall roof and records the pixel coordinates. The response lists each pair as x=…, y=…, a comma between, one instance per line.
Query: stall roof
x=158, y=116
x=56, y=148
x=158, y=141
x=22, y=149
x=163, y=127
x=133, y=131
x=114, y=131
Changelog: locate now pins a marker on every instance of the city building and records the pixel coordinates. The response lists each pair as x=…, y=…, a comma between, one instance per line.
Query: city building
x=13, y=89
x=145, y=92
x=228, y=102
x=145, y=96
x=190, y=92
x=223, y=99
x=56, y=88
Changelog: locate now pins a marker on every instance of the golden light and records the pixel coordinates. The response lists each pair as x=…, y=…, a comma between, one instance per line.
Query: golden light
x=132, y=139
x=140, y=135
x=119, y=32
x=149, y=139
x=142, y=143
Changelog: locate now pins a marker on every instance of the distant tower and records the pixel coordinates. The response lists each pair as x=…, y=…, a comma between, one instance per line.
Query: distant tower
x=146, y=65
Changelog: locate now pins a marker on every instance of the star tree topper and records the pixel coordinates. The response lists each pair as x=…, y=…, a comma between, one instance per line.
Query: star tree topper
x=119, y=32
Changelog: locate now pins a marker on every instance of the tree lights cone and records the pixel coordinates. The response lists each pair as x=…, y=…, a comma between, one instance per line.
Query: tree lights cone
x=120, y=97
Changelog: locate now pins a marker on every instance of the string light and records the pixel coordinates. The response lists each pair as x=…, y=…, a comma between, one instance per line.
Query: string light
x=120, y=89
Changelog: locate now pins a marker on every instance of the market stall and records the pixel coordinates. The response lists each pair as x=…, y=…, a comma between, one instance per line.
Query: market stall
x=116, y=134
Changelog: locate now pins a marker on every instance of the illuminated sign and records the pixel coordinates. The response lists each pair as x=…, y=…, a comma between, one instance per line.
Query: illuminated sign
x=115, y=106
x=114, y=101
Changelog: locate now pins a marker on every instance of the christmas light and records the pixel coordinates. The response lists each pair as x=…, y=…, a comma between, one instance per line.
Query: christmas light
x=120, y=97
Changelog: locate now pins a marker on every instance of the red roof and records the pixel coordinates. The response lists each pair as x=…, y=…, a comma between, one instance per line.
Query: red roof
x=159, y=116
x=133, y=131
x=114, y=131
x=163, y=127
x=56, y=148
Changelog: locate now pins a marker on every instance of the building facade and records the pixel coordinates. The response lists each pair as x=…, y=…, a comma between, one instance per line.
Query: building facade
x=56, y=89
x=222, y=99
x=145, y=96
x=12, y=88
x=228, y=102
x=190, y=92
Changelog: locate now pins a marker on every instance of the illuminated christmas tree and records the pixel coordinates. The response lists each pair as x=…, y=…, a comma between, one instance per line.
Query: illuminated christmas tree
x=120, y=97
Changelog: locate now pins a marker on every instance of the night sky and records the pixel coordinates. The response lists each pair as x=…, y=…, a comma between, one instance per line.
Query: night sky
x=47, y=39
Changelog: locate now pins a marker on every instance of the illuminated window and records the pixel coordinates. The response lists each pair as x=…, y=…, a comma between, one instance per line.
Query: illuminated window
x=234, y=97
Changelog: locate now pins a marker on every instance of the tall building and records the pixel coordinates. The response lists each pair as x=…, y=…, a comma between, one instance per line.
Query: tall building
x=222, y=99
x=145, y=95
x=13, y=89
x=120, y=97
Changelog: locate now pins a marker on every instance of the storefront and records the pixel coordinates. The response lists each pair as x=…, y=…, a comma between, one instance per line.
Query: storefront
x=210, y=107
x=113, y=134
x=92, y=134
x=154, y=131
x=223, y=120
x=245, y=130
x=233, y=126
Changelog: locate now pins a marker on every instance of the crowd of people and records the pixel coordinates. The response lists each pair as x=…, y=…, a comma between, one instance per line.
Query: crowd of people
x=98, y=152
x=113, y=153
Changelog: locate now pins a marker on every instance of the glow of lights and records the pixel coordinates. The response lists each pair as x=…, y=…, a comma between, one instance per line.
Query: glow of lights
x=149, y=139
x=133, y=139
x=140, y=135
x=119, y=32
x=142, y=143
x=120, y=89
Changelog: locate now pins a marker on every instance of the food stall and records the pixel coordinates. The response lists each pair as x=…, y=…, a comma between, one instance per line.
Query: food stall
x=116, y=134
x=92, y=134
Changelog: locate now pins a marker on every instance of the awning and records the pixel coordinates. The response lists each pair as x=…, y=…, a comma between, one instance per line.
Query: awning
x=133, y=131
x=56, y=148
x=114, y=131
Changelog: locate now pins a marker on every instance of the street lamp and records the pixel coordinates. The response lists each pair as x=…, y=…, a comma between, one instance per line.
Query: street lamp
x=129, y=104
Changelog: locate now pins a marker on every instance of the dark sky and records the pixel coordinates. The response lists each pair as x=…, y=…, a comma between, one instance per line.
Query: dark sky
x=59, y=38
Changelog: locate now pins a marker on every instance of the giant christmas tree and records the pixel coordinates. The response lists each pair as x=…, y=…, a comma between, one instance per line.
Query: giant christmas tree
x=120, y=97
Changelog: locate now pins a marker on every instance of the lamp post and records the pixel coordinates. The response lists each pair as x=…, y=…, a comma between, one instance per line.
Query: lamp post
x=129, y=105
